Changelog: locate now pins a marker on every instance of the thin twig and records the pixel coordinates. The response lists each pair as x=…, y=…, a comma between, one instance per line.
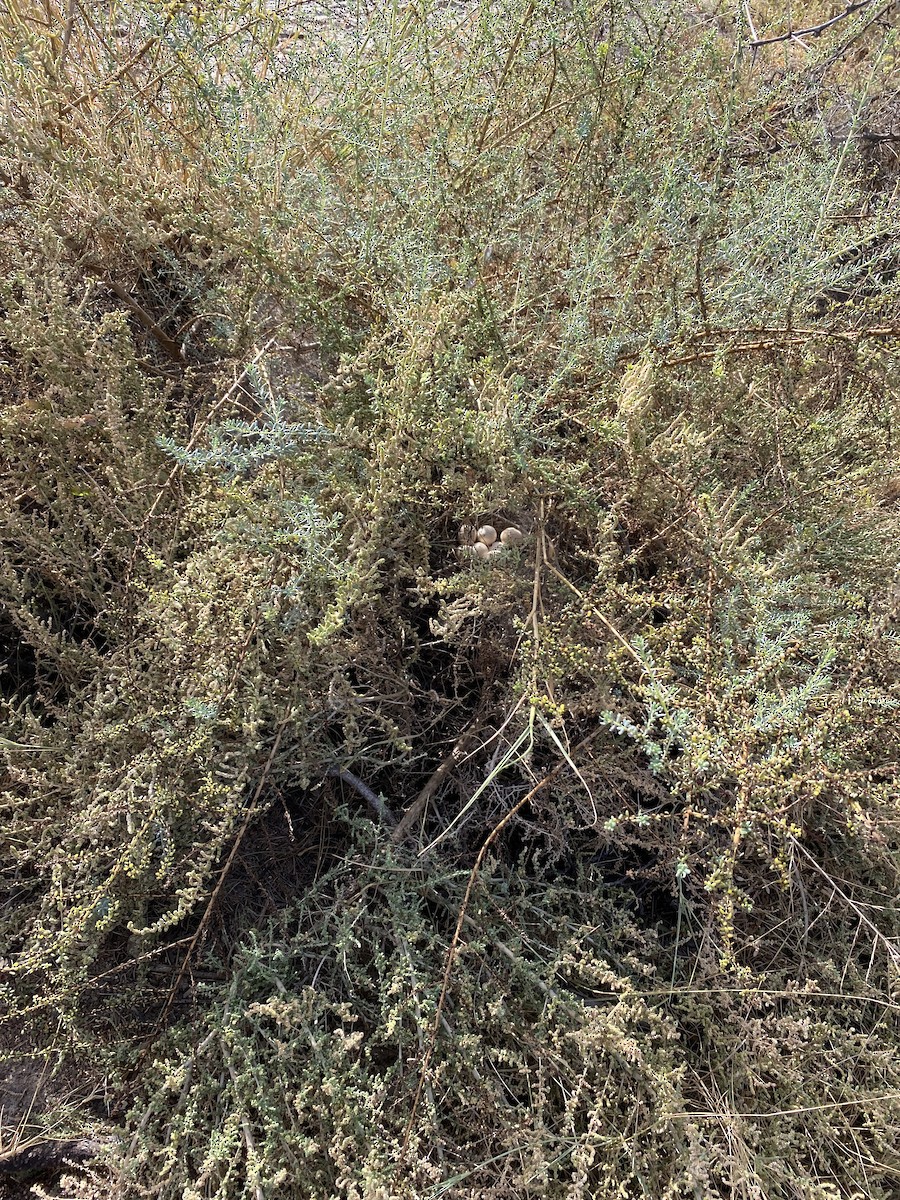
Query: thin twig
x=605, y=621
x=892, y=951
x=456, y=756
x=168, y=344
x=510, y=57
x=249, y=1140
x=857, y=33
x=92, y=93
x=376, y=803
x=454, y=945
x=223, y=874
x=536, y=604
x=768, y=339
x=811, y=30
x=749, y=17
x=67, y=37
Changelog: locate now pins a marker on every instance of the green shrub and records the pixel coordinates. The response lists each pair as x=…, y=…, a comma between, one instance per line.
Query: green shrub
x=285, y=302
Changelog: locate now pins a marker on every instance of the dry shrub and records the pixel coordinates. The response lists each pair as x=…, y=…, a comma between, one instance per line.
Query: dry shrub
x=289, y=296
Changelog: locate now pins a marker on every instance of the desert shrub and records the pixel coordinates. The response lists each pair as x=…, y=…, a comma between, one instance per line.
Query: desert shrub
x=563, y=1068
x=289, y=297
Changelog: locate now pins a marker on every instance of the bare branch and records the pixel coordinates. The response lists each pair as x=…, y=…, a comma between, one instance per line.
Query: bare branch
x=810, y=31
x=377, y=805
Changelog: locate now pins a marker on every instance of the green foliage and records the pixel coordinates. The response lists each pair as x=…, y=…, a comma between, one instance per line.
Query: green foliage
x=284, y=302
x=562, y=1068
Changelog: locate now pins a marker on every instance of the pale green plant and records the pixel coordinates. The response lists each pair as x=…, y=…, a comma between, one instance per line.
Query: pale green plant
x=286, y=300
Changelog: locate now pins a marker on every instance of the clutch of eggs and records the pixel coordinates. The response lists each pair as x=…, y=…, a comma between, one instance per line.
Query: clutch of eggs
x=486, y=542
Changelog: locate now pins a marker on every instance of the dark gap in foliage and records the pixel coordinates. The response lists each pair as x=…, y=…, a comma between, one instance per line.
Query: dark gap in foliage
x=19, y=669
x=278, y=858
x=527, y=849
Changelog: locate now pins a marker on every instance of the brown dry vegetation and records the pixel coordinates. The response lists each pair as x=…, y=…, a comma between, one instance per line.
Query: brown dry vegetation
x=339, y=865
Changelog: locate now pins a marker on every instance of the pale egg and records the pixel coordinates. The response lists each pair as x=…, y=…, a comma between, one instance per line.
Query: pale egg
x=487, y=534
x=511, y=536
